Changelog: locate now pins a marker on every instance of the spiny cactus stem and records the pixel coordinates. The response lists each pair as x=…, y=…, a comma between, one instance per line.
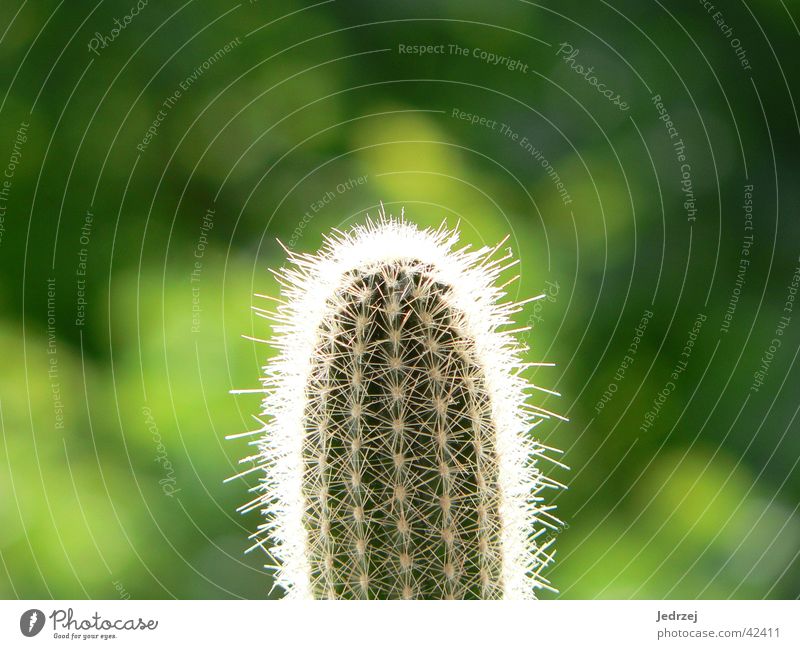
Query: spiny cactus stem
x=395, y=432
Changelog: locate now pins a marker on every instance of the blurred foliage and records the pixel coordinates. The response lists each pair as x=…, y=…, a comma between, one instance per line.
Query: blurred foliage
x=311, y=97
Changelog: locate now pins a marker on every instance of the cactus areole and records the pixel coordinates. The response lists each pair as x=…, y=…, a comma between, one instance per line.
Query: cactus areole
x=396, y=444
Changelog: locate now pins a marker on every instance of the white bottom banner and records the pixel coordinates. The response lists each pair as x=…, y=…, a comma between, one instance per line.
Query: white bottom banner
x=132, y=623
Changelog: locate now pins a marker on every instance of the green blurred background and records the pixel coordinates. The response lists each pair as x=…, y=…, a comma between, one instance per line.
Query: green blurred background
x=285, y=119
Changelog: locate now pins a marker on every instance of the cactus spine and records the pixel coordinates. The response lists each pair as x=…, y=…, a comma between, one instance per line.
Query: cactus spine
x=396, y=429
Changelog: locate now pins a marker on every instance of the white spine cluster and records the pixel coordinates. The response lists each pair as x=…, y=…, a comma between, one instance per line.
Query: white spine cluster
x=396, y=439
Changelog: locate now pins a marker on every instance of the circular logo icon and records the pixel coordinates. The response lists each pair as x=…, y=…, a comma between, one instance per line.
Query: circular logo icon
x=31, y=622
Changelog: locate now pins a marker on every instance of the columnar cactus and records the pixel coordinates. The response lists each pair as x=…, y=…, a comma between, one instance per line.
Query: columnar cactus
x=396, y=446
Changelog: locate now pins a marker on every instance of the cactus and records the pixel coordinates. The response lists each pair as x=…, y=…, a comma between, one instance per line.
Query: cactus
x=395, y=437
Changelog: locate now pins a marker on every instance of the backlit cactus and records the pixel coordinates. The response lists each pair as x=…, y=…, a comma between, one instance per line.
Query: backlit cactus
x=396, y=441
